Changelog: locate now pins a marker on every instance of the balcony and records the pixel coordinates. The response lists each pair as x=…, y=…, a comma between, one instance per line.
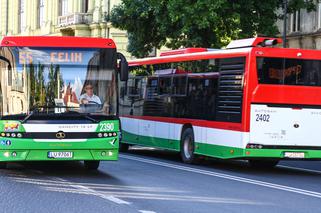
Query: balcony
x=75, y=18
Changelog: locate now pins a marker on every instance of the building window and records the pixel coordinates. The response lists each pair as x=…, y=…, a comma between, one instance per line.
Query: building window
x=85, y=7
x=295, y=21
x=63, y=7
x=21, y=15
x=41, y=15
x=319, y=15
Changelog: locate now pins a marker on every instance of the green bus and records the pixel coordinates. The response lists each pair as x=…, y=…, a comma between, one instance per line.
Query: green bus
x=58, y=99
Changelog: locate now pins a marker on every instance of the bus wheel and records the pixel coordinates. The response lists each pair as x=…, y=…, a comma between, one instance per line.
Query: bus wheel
x=91, y=164
x=187, y=146
x=123, y=147
x=261, y=164
x=3, y=165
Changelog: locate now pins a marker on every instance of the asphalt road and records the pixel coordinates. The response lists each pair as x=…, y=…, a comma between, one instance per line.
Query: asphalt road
x=148, y=181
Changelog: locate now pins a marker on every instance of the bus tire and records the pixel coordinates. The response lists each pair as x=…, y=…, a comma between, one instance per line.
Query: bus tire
x=91, y=164
x=261, y=164
x=188, y=146
x=3, y=165
x=123, y=147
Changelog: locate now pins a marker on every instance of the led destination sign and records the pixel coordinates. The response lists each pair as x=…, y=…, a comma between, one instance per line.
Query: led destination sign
x=53, y=56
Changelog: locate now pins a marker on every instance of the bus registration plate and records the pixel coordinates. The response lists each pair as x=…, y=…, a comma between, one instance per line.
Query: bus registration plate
x=294, y=154
x=60, y=155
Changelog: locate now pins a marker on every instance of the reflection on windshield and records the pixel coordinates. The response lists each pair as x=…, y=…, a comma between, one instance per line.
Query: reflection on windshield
x=55, y=80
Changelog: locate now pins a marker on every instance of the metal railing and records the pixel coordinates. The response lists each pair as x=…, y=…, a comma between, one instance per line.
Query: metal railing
x=72, y=19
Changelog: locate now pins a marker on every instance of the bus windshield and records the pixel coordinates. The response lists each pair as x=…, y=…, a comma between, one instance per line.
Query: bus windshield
x=287, y=71
x=57, y=81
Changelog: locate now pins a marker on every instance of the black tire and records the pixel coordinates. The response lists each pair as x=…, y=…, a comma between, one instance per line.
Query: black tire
x=188, y=146
x=123, y=147
x=3, y=165
x=91, y=164
x=261, y=164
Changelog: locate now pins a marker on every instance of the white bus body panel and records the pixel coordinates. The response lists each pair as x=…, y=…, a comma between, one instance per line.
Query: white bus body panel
x=285, y=126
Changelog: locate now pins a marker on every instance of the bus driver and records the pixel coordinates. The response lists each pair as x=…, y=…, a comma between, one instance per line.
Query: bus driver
x=89, y=97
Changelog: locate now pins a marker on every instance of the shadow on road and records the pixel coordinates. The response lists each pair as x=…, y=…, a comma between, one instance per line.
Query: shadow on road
x=61, y=169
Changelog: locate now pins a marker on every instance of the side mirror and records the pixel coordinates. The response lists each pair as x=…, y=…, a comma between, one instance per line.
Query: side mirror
x=6, y=60
x=122, y=67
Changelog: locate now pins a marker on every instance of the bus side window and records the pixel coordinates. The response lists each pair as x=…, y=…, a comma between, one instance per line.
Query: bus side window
x=164, y=85
x=179, y=85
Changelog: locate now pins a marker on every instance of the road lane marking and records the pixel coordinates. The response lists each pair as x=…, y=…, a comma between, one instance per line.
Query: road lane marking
x=72, y=187
x=299, y=168
x=58, y=183
x=226, y=176
x=146, y=211
x=101, y=195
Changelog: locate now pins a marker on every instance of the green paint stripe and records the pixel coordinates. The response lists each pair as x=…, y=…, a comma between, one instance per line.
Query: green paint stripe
x=217, y=151
x=150, y=141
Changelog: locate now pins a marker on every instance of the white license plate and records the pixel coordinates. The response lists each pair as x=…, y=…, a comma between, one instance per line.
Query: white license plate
x=60, y=155
x=294, y=154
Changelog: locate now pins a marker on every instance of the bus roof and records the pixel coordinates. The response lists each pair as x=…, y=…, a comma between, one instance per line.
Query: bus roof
x=56, y=41
x=234, y=52
x=190, y=56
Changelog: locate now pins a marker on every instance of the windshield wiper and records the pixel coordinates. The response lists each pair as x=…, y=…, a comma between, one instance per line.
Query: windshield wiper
x=28, y=116
x=37, y=107
x=85, y=116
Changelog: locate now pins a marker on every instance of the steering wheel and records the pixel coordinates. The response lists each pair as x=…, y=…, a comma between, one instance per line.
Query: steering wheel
x=93, y=102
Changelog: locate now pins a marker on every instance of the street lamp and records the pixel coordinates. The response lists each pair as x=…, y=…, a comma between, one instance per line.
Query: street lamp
x=285, y=8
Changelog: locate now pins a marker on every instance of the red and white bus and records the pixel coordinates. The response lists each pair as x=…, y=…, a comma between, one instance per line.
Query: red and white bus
x=252, y=100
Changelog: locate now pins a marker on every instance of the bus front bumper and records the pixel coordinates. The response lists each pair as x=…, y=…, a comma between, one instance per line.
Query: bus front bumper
x=289, y=154
x=43, y=155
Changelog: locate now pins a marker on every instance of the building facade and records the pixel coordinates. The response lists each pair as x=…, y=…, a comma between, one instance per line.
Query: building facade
x=61, y=18
x=303, y=28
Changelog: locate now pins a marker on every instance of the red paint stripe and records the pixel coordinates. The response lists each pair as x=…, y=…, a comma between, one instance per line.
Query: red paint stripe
x=57, y=41
x=194, y=122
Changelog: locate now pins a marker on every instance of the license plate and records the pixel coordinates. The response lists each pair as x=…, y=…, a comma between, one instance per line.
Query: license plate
x=294, y=154
x=60, y=155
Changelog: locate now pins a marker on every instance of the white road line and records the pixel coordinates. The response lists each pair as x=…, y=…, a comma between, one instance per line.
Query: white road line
x=226, y=176
x=299, y=168
x=93, y=192
x=145, y=211
x=57, y=181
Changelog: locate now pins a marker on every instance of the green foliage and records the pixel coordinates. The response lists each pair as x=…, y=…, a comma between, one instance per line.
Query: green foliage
x=197, y=23
x=41, y=92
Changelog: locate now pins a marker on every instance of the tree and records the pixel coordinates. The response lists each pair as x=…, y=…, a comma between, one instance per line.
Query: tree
x=197, y=23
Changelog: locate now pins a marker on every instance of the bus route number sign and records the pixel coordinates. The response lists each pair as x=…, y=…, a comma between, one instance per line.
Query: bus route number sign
x=105, y=127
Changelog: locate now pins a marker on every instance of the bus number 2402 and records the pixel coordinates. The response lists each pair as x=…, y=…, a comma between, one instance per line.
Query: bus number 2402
x=263, y=117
